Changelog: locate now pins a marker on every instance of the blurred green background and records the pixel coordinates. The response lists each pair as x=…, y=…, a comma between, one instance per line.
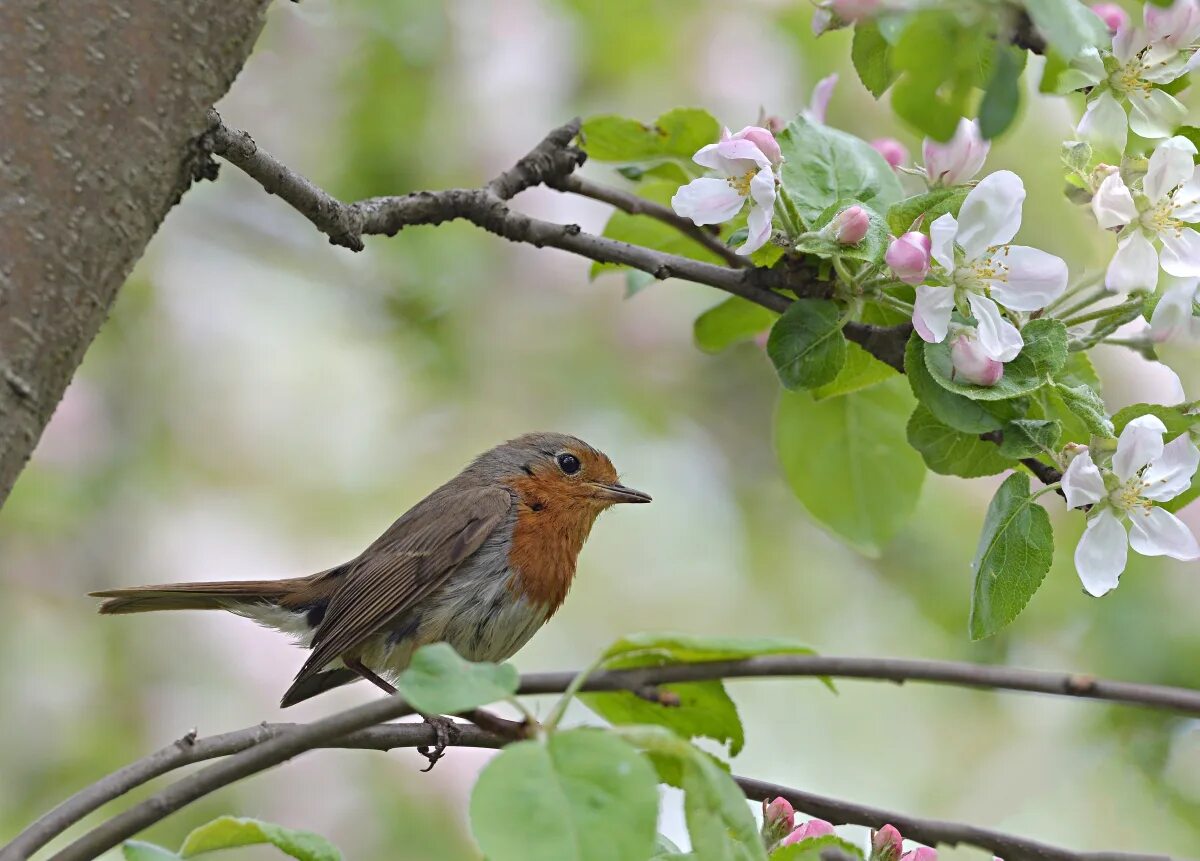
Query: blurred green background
x=263, y=404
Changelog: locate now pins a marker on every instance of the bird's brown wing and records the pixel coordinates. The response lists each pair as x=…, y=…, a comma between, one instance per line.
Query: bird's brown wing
x=407, y=563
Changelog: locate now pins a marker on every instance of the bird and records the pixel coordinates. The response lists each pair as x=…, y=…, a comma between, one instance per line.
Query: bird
x=480, y=563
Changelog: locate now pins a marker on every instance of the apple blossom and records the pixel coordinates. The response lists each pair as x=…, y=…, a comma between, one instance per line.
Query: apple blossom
x=818, y=104
x=886, y=844
x=746, y=163
x=908, y=257
x=1113, y=16
x=1176, y=317
x=850, y=225
x=957, y=160
x=854, y=10
x=893, y=152
x=1170, y=200
x=778, y=819
x=1129, y=79
x=811, y=828
x=1144, y=471
x=921, y=853
x=971, y=362
x=976, y=267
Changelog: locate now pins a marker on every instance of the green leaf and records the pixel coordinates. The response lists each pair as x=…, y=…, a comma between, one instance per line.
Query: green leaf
x=1003, y=95
x=1087, y=406
x=870, y=248
x=1176, y=420
x=705, y=708
x=824, y=165
x=931, y=204
x=1068, y=25
x=719, y=820
x=847, y=461
x=229, y=832
x=1015, y=551
x=1044, y=355
x=650, y=232
x=872, y=57
x=860, y=371
x=552, y=800
x=736, y=319
x=806, y=344
x=953, y=410
x=677, y=134
x=438, y=681
x=136, y=850
x=1030, y=437
x=951, y=452
x=810, y=849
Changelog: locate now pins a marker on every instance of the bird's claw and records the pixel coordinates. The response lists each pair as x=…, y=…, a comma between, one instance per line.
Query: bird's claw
x=446, y=732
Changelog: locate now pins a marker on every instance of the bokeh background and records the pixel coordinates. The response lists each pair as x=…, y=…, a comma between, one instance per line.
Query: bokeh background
x=263, y=404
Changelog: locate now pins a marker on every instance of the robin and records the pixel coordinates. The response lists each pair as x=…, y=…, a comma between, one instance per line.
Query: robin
x=481, y=563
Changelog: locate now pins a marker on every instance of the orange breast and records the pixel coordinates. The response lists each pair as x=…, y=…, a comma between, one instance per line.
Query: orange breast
x=547, y=537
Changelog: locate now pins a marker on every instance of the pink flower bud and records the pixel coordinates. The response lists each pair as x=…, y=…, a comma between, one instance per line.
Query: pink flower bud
x=778, y=820
x=960, y=158
x=921, y=853
x=972, y=364
x=1113, y=16
x=908, y=257
x=850, y=225
x=811, y=828
x=886, y=844
x=892, y=150
x=854, y=10
x=763, y=139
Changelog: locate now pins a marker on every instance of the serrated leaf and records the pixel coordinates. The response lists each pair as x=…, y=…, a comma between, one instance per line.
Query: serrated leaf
x=824, y=165
x=736, y=319
x=719, y=821
x=438, y=681
x=1015, y=551
x=1083, y=401
x=806, y=344
x=229, y=832
x=1003, y=94
x=550, y=800
x=860, y=371
x=810, y=849
x=1043, y=356
x=932, y=204
x=872, y=57
x=1068, y=25
x=1030, y=437
x=950, y=452
x=847, y=461
x=677, y=134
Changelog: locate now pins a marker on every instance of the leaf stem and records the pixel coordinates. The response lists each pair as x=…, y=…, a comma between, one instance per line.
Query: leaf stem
x=1103, y=312
x=560, y=707
x=1088, y=300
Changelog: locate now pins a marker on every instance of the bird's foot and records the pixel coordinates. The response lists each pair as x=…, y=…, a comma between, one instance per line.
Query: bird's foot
x=446, y=732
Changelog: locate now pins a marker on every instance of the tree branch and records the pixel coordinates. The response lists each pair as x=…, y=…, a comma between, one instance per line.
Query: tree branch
x=256, y=748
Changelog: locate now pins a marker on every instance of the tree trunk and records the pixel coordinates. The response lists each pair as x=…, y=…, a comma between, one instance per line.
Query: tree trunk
x=101, y=104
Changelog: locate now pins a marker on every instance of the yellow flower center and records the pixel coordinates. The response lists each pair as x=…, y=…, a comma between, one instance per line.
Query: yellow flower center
x=1128, y=78
x=741, y=184
x=1129, y=496
x=1161, y=218
x=978, y=274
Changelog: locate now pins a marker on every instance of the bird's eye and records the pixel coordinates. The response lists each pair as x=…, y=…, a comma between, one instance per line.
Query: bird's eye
x=568, y=463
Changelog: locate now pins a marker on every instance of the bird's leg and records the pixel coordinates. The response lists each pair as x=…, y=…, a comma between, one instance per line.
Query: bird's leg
x=359, y=667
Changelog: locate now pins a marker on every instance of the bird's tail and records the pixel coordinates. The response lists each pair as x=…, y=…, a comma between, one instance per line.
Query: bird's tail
x=194, y=596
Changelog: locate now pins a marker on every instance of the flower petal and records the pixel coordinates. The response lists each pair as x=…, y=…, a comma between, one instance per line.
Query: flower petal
x=1141, y=443
x=1104, y=123
x=707, y=156
x=998, y=337
x=1172, y=318
x=1134, y=266
x=1155, y=113
x=1170, y=166
x=931, y=312
x=1112, y=204
x=1082, y=483
x=991, y=213
x=1033, y=279
x=941, y=235
x=1172, y=473
x=1186, y=201
x=758, y=225
x=742, y=150
x=1180, y=252
x=1157, y=532
x=821, y=95
x=1101, y=553
x=707, y=200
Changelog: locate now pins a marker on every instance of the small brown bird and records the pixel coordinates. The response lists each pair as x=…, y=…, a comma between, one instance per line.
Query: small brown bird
x=481, y=563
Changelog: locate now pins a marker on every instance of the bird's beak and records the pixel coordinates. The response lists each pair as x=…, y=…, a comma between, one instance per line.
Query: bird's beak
x=613, y=493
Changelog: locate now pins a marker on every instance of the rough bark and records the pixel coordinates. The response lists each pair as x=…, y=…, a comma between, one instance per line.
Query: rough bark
x=101, y=104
